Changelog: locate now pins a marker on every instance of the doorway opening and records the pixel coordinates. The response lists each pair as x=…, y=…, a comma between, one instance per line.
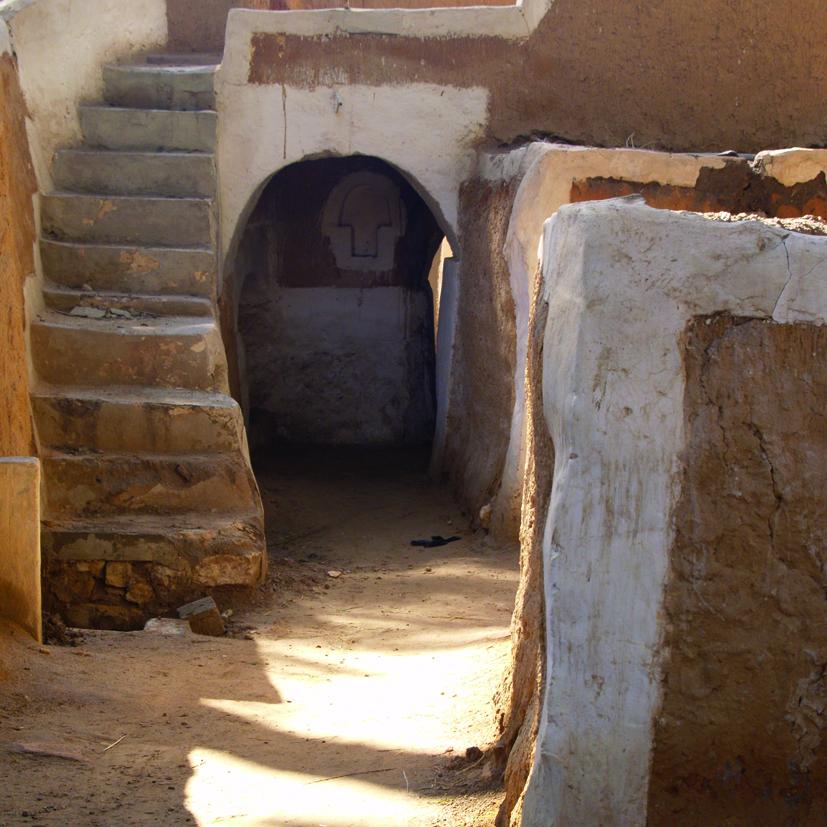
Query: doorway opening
x=336, y=312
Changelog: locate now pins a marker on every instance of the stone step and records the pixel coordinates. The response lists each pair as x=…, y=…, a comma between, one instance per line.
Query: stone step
x=178, y=222
x=116, y=572
x=107, y=172
x=151, y=538
x=88, y=485
x=113, y=127
x=123, y=305
x=157, y=86
x=167, y=540
x=165, y=352
x=114, y=267
x=129, y=419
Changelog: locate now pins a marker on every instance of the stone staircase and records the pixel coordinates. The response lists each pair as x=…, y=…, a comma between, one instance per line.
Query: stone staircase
x=149, y=496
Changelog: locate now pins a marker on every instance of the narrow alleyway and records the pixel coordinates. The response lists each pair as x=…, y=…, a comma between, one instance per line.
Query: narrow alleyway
x=346, y=694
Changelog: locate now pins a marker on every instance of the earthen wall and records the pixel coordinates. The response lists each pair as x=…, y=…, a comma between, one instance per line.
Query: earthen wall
x=482, y=395
x=740, y=736
x=17, y=235
x=675, y=75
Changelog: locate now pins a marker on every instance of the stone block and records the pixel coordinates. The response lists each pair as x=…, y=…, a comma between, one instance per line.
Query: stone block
x=140, y=591
x=203, y=616
x=118, y=574
x=229, y=570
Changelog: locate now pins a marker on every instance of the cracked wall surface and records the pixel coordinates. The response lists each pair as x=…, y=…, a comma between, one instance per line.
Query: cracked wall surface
x=622, y=281
x=740, y=733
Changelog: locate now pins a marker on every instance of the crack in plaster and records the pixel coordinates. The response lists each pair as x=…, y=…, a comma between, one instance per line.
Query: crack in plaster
x=789, y=276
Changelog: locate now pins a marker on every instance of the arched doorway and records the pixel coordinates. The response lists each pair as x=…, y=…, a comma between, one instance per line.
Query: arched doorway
x=335, y=309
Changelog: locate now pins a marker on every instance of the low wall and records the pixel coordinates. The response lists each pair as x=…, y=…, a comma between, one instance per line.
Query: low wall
x=205, y=31
x=786, y=183
x=542, y=178
x=20, y=542
x=622, y=710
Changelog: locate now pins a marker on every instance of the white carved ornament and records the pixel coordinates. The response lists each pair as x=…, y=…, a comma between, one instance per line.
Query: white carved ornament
x=363, y=217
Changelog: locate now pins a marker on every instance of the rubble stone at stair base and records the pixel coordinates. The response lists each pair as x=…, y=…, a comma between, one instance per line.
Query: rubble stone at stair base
x=86, y=594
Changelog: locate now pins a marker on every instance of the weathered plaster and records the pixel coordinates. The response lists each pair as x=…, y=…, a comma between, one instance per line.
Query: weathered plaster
x=591, y=73
x=792, y=166
x=338, y=365
x=60, y=47
x=425, y=131
x=506, y=22
x=20, y=542
x=206, y=29
x=17, y=242
x=481, y=393
x=622, y=280
x=546, y=173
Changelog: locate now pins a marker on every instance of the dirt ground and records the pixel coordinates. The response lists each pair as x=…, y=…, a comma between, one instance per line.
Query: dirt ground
x=335, y=700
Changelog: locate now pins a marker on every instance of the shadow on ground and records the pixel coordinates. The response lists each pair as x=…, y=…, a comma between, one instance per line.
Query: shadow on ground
x=346, y=705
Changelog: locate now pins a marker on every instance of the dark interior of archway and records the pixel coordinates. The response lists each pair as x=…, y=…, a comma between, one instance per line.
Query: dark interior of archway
x=335, y=317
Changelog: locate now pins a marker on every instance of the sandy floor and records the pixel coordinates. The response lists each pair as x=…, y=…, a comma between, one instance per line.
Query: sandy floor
x=339, y=700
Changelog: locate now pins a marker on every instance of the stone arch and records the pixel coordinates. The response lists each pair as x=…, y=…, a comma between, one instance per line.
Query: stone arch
x=331, y=240
x=450, y=228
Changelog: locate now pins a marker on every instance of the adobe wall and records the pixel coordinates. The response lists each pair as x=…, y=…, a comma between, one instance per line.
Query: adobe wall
x=482, y=395
x=17, y=236
x=740, y=733
x=204, y=31
x=787, y=183
x=638, y=552
x=678, y=76
x=19, y=471
x=519, y=696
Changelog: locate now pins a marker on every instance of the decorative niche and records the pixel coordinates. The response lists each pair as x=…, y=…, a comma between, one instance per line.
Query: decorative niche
x=362, y=219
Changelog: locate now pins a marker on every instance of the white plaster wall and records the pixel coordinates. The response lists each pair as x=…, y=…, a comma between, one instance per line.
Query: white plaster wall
x=548, y=172
x=445, y=339
x=792, y=166
x=426, y=131
x=338, y=365
x=622, y=280
x=60, y=47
